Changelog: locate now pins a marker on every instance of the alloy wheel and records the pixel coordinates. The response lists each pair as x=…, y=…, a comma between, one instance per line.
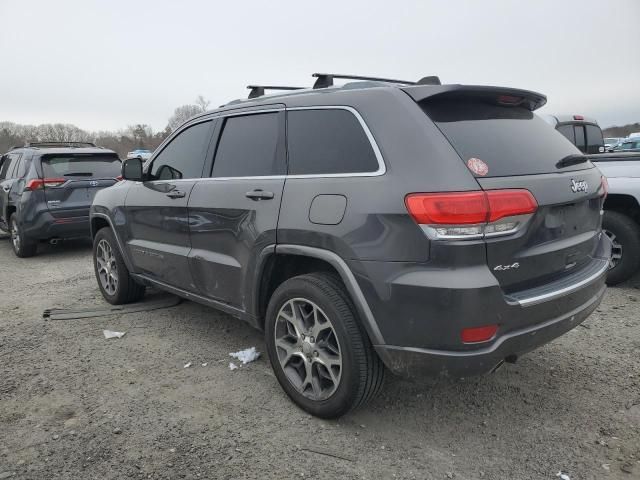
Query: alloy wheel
x=15, y=236
x=107, y=268
x=616, y=249
x=308, y=349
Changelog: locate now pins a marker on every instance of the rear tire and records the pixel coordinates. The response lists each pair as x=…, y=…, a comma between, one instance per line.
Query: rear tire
x=23, y=246
x=322, y=358
x=114, y=280
x=624, y=232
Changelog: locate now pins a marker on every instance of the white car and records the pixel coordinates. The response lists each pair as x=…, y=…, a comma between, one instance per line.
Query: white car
x=140, y=153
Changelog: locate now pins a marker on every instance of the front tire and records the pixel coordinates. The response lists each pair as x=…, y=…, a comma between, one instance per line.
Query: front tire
x=322, y=358
x=624, y=233
x=114, y=280
x=23, y=246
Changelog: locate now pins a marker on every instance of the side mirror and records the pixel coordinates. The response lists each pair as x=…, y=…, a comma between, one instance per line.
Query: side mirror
x=132, y=169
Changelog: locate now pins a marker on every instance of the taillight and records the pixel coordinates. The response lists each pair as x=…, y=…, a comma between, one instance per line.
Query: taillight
x=604, y=184
x=38, y=183
x=119, y=178
x=467, y=215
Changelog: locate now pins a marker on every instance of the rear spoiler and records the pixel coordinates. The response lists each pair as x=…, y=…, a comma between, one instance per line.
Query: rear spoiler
x=499, y=95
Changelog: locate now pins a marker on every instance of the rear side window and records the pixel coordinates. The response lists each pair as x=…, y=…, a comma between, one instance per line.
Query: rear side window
x=184, y=156
x=248, y=147
x=510, y=140
x=567, y=131
x=594, y=139
x=580, y=138
x=78, y=165
x=328, y=141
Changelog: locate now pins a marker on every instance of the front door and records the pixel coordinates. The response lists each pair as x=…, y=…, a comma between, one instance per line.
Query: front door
x=234, y=213
x=156, y=209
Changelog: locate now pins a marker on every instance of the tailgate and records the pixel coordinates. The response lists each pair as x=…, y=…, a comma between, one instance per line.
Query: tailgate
x=518, y=150
x=72, y=180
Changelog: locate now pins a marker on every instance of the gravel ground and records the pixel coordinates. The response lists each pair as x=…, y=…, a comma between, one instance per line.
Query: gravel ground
x=76, y=406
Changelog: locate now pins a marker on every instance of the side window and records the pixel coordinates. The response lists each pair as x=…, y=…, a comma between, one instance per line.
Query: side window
x=184, y=156
x=21, y=169
x=328, y=141
x=567, y=131
x=8, y=166
x=580, y=140
x=248, y=147
x=594, y=138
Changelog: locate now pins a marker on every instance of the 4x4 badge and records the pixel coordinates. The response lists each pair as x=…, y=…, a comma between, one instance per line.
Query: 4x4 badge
x=579, y=186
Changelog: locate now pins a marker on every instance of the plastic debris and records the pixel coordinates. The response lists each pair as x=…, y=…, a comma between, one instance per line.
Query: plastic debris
x=112, y=334
x=187, y=365
x=563, y=476
x=246, y=356
x=205, y=364
x=232, y=366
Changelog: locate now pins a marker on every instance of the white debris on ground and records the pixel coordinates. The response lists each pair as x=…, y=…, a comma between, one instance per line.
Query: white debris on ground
x=232, y=366
x=111, y=334
x=205, y=364
x=563, y=476
x=187, y=365
x=246, y=356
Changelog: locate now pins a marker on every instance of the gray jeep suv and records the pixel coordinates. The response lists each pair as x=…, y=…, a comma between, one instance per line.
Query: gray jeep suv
x=381, y=225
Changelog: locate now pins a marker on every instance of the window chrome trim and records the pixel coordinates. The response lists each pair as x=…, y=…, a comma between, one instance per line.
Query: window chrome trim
x=382, y=169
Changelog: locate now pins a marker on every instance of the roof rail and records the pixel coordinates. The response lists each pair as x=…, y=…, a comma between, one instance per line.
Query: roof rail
x=325, y=80
x=259, y=90
x=59, y=144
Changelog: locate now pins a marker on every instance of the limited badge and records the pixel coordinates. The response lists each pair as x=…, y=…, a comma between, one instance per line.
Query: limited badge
x=477, y=166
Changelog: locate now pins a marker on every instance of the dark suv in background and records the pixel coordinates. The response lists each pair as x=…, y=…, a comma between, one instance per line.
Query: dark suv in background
x=46, y=190
x=409, y=226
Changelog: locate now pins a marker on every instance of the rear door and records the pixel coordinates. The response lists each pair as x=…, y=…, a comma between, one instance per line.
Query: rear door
x=156, y=209
x=8, y=167
x=71, y=180
x=233, y=214
x=522, y=151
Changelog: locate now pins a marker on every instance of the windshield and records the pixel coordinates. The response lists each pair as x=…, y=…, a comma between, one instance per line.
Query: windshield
x=93, y=166
x=510, y=140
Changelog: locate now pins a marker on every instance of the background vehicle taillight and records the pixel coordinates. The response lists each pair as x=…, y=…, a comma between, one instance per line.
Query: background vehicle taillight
x=38, y=183
x=468, y=215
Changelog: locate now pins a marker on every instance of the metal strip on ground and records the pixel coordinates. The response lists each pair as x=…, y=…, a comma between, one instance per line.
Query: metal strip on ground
x=74, y=314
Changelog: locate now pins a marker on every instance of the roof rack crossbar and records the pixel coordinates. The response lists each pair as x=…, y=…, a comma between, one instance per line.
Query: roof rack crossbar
x=259, y=90
x=325, y=80
x=59, y=144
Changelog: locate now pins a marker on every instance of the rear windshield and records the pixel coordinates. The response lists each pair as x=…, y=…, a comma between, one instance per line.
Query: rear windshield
x=510, y=140
x=82, y=166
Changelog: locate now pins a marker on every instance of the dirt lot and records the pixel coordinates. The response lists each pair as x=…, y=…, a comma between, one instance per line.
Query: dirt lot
x=76, y=406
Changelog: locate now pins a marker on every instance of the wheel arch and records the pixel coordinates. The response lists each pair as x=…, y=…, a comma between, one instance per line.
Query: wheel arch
x=287, y=261
x=101, y=220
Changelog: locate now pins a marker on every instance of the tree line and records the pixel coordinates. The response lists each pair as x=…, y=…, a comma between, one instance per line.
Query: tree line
x=622, y=131
x=122, y=141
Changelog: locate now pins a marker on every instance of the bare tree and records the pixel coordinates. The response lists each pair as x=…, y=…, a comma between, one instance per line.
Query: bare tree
x=203, y=103
x=182, y=114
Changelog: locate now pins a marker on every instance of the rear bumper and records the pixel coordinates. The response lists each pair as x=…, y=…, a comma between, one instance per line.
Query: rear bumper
x=45, y=226
x=417, y=362
x=421, y=311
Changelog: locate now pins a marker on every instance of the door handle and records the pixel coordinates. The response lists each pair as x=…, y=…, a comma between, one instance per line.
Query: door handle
x=259, y=194
x=176, y=194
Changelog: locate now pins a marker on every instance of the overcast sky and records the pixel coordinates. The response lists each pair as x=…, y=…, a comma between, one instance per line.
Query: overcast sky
x=109, y=64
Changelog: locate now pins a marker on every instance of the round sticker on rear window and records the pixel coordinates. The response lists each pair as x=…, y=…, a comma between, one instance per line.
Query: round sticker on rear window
x=477, y=166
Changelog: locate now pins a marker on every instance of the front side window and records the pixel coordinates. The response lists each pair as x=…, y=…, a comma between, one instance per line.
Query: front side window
x=328, y=141
x=248, y=147
x=184, y=156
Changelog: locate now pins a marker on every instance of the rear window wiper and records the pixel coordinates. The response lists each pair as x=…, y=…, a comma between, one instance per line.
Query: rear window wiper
x=78, y=174
x=573, y=159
